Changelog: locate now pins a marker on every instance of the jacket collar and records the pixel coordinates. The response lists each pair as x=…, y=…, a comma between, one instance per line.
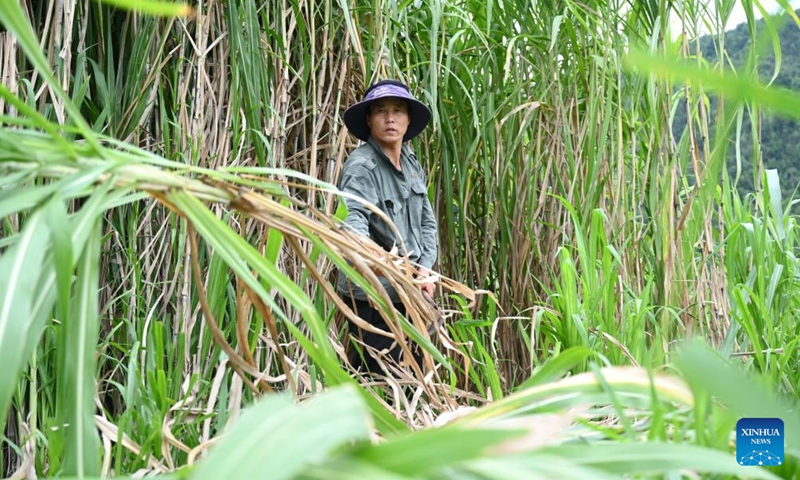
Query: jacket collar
x=405, y=150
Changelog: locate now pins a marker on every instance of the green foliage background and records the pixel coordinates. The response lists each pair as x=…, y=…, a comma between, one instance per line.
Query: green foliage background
x=778, y=136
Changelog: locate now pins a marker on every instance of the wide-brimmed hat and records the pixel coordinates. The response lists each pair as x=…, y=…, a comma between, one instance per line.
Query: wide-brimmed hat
x=355, y=117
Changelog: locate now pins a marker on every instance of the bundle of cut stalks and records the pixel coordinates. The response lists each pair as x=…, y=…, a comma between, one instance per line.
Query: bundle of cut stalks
x=201, y=196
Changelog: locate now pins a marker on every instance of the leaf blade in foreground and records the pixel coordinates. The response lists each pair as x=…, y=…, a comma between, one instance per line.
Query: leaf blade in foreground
x=285, y=438
x=153, y=7
x=780, y=100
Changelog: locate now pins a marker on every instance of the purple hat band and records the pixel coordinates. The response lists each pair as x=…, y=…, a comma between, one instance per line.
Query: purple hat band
x=355, y=117
x=388, y=91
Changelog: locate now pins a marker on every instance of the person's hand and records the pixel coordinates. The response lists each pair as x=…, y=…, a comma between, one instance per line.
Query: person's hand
x=427, y=288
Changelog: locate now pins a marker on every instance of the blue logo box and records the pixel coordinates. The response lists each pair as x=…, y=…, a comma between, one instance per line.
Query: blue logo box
x=759, y=442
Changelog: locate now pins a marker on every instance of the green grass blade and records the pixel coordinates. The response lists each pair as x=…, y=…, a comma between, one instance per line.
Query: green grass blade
x=432, y=449
x=36, y=118
x=20, y=269
x=12, y=16
x=656, y=458
x=540, y=466
x=773, y=187
x=62, y=254
x=779, y=100
x=634, y=382
x=77, y=373
x=349, y=469
x=282, y=438
x=555, y=367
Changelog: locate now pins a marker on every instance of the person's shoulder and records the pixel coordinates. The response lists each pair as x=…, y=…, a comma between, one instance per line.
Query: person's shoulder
x=412, y=159
x=362, y=157
x=409, y=152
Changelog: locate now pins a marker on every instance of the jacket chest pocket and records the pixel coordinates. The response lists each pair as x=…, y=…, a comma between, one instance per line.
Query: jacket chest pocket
x=393, y=207
x=415, y=203
x=418, y=193
x=418, y=188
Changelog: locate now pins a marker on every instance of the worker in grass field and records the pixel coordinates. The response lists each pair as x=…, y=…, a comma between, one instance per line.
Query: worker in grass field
x=385, y=172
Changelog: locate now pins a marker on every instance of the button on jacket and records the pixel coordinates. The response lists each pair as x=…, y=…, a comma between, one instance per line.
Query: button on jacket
x=401, y=195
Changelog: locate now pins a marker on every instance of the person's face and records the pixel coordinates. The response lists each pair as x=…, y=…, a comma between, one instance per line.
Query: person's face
x=388, y=120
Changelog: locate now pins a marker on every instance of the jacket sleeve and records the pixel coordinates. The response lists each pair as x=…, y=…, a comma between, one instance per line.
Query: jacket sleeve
x=429, y=240
x=359, y=181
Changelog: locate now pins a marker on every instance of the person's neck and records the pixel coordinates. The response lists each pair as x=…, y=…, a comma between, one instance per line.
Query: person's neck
x=392, y=150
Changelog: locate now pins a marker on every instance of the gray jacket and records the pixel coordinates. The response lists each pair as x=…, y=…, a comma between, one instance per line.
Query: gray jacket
x=401, y=195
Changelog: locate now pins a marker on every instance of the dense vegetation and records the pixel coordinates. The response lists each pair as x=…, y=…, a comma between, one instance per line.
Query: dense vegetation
x=778, y=136
x=169, y=234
